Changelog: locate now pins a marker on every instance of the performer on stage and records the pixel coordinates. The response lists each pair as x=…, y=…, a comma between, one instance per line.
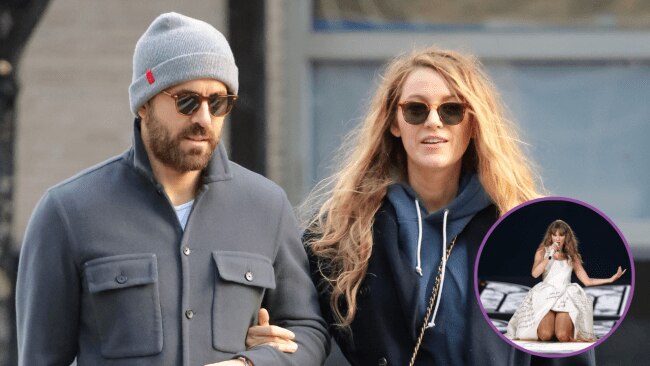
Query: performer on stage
x=556, y=309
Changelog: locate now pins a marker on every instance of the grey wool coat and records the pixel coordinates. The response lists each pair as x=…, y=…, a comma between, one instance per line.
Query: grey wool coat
x=108, y=276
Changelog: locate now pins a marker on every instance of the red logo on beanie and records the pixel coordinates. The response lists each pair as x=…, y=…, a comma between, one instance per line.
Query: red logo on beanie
x=150, y=77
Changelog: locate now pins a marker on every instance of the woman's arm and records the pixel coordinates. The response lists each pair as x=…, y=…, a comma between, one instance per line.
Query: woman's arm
x=588, y=281
x=540, y=263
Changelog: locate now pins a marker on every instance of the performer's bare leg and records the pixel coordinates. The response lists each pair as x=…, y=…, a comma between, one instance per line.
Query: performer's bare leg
x=563, y=327
x=546, y=328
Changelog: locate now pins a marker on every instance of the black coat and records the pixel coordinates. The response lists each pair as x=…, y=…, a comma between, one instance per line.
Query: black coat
x=384, y=331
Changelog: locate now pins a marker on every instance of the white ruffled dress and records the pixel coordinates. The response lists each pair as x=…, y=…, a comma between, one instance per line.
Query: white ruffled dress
x=556, y=293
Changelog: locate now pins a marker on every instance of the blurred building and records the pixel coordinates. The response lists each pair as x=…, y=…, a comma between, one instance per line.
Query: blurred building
x=575, y=75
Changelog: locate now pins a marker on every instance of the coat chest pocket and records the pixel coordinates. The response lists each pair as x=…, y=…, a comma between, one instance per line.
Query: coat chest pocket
x=126, y=304
x=240, y=281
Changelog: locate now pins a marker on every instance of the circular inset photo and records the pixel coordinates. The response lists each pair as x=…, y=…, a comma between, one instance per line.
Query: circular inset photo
x=554, y=277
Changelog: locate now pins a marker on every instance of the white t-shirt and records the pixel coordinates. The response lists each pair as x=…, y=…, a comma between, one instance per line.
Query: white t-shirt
x=183, y=212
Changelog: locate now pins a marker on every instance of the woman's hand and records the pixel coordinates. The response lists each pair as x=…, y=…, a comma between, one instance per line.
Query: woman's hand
x=265, y=334
x=618, y=274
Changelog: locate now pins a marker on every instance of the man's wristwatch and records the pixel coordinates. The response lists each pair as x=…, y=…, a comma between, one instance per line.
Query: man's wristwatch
x=246, y=361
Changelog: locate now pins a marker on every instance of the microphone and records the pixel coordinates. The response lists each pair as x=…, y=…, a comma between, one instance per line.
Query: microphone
x=556, y=246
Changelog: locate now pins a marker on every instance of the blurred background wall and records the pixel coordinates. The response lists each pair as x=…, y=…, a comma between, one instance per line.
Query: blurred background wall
x=575, y=76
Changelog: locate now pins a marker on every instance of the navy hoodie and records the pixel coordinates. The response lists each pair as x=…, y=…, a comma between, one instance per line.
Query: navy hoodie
x=420, y=239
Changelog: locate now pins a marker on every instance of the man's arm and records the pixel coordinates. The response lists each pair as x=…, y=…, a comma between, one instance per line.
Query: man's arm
x=47, y=290
x=293, y=303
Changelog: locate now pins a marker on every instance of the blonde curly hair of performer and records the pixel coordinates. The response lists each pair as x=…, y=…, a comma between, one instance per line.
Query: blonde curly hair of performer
x=570, y=247
x=373, y=159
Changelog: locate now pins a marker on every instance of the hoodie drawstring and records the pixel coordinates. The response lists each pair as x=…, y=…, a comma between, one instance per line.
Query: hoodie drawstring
x=418, y=267
x=444, y=266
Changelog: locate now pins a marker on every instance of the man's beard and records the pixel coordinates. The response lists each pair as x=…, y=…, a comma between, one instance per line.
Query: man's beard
x=167, y=148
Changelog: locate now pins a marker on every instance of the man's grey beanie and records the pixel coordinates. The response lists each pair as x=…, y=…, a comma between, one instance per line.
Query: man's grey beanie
x=174, y=49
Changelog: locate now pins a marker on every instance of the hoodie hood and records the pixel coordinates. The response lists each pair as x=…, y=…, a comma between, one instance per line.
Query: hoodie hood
x=410, y=211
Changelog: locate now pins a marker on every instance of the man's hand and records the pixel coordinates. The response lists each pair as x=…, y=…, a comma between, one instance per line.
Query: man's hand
x=266, y=334
x=228, y=363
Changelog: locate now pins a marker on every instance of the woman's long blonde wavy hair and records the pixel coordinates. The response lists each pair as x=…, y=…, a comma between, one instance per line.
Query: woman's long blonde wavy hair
x=570, y=247
x=372, y=159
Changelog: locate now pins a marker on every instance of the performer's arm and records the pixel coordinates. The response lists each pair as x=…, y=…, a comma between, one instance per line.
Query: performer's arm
x=540, y=263
x=588, y=281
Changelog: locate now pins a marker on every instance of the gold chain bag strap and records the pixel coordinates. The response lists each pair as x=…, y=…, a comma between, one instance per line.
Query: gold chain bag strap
x=432, y=301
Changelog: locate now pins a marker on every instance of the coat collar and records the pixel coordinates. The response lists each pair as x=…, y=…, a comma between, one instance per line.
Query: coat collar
x=218, y=168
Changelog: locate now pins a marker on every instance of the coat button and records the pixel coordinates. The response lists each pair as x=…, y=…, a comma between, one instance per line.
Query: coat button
x=121, y=279
x=189, y=314
x=187, y=251
x=382, y=362
x=249, y=276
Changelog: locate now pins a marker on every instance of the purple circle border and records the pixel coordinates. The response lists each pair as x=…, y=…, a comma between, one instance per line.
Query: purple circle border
x=632, y=273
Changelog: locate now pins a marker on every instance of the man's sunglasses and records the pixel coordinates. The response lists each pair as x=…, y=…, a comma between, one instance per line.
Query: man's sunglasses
x=450, y=113
x=187, y=103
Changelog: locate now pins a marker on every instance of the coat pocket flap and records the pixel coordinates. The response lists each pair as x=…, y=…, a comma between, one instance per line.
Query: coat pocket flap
x=245, y=268
x=120, y=271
